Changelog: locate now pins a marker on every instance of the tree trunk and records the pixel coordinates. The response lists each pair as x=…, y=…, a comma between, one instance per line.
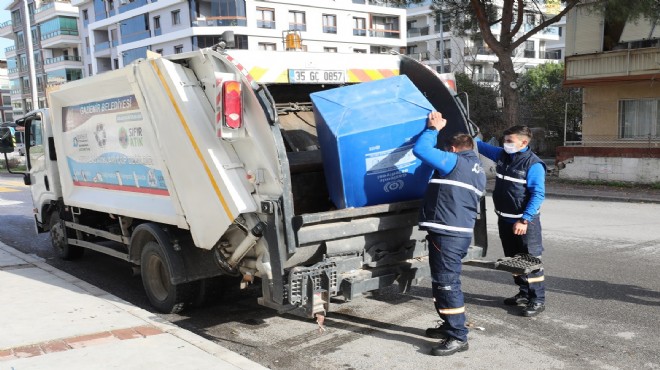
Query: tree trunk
x=508, y=75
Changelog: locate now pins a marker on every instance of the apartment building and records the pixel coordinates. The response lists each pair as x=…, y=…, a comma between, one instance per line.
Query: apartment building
x=116, y=32
x=55, y=49
x=6, y=113
x=617, y=66
x=431, y=40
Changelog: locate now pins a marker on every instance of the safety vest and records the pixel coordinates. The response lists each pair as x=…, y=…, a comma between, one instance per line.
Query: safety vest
x=451, y=202
x=511, y=195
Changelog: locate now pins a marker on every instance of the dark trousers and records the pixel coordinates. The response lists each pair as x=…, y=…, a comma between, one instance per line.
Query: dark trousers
x=445, y=255
x=533, y=285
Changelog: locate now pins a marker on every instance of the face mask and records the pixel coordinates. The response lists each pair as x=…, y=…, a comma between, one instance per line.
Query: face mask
x=510, y=148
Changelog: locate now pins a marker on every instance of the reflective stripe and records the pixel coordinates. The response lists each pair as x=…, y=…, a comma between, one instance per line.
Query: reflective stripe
x=509, y=215
x=512, y=179
x=445, y=227
x=457, y=183
x=451, y=311
x=537, y=279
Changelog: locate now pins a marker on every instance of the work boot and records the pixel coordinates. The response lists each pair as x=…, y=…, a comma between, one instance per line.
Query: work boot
x=533, y=309
x=436, y=333
x=449, y=346
x=519, y=299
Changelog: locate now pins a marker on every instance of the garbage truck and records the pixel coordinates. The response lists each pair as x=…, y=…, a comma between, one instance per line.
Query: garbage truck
x=207, y=164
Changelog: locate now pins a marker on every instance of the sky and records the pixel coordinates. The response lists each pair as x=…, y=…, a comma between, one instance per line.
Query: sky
x=4, y=16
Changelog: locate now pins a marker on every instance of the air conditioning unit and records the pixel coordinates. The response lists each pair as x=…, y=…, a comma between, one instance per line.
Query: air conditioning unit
x=384, y=49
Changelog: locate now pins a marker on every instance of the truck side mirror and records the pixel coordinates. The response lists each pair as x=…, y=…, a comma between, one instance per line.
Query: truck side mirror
x=6, y=140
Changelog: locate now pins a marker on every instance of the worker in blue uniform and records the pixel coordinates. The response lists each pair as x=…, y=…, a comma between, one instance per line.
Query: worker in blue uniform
x=518, y=195
x=450, y=207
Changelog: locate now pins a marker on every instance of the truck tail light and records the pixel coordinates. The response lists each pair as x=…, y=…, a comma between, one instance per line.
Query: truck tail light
x=232, y=104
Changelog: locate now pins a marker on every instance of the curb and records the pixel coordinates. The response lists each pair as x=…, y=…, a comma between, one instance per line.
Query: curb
x=150, y=318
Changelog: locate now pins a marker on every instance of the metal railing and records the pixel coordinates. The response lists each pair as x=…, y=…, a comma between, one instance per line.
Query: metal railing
x=388, y=34
x=486, y=77
x=555, y=54
x=265, y=24
x=5, y=24
x=10, y=48
x=477, y=50
x=330, y=29
x=44, y=8
x=641, y=141
x=50, y=35
x=63, y=58
x=418, y=31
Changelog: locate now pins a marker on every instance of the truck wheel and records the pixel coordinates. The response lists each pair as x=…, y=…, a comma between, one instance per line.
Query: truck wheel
x=165, y=296
x=58, y=239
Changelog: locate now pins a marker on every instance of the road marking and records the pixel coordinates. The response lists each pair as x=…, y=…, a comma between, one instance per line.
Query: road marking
x=9, y=202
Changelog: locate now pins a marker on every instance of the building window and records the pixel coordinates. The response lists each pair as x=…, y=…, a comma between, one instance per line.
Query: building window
x=85, y=16
x=329, y=23
x=16, y=19
x=447, y=48
x=266, y=18
x=530, y=52
x=116, y=63
x=176, y=17
x=639, y=119
x=157, y=22
x=359, y=26
x=297, y=21
x=159, y=51
x=330, y=50
x=267, y=46
x=9, y=116
x=178, y=49
x=6, y=101
x=360, y=51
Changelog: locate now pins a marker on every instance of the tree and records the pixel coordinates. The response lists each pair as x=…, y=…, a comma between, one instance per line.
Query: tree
x=482, y=105
x=547, y=104
x=509, y=15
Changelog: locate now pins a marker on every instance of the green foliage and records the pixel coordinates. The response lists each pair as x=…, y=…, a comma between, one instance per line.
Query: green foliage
x=543, y=100
x=483, y=105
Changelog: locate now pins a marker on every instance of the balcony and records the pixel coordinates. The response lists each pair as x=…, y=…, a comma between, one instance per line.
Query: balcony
x=6, y=29
x=102, y=49
x=430, y=55
x=60, y=39
x=630, y=65
x=477, y=50
x=223, y=21
x=529, y=54
x=10, y=51
x=486, y=77
x=418, y=31
x=554, y=55
x=330, y=29
x=388, y=34
x=55, y=9
x=62, y=62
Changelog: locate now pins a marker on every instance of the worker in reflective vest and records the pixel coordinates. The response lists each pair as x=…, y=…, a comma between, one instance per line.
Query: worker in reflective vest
x=451, y=204
x=518, y=195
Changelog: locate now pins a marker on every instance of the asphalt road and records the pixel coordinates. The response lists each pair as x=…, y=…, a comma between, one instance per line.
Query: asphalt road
x=603, y=308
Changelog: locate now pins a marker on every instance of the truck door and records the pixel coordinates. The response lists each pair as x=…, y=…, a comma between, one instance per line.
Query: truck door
x=39, y=160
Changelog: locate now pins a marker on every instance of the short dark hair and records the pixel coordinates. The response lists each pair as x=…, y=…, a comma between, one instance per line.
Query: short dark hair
x=519, y=130
x=461, y=142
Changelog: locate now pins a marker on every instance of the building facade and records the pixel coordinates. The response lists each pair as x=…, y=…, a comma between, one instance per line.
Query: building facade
x=53, y=28
x=116, y=32
x=617, y=66
x=431, y=40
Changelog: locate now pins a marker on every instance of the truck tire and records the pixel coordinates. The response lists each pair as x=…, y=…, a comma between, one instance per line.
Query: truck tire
x=163, y=295
x=58, y=238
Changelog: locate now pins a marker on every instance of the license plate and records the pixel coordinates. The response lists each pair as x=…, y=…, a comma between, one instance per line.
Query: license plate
x=316, y=76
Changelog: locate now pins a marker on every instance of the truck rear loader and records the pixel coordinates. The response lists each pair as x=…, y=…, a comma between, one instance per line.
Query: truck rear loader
x=205, y=164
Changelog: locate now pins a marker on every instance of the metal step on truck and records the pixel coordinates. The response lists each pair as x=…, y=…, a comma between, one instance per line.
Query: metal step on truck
x=207, y=163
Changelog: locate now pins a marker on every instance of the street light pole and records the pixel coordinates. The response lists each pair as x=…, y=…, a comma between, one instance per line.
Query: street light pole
x=442, y=44
x=30, y=57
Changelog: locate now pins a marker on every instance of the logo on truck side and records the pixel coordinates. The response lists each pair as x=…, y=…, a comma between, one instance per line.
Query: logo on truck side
x=100, y=135
x=131, y=137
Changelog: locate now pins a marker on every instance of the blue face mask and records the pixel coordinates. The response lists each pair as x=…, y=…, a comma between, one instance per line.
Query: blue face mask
x=510, y=148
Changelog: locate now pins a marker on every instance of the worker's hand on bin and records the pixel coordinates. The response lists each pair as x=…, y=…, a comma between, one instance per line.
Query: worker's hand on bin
x=436, y=120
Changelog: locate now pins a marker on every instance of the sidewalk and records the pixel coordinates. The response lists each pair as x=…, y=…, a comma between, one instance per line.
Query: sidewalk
x=52, y=320
x=555, y=188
